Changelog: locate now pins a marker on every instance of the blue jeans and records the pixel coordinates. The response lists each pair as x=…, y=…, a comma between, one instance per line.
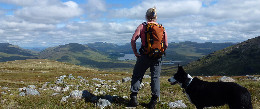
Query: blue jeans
x=142, y=64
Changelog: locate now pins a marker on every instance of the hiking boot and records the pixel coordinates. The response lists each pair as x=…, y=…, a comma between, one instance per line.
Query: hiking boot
x=133, y=101
x=153, y=102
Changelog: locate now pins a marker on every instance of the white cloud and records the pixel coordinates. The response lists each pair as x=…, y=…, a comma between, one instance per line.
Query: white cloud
x=204, y=38
x=2, y=12
x=19, y=3
x=48, y=11
x=95, y=9
x=244, y=10
x=46, y=22
x=1, y=31
x=165, y=9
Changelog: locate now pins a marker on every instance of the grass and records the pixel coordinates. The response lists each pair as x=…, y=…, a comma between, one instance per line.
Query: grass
x=18, y=74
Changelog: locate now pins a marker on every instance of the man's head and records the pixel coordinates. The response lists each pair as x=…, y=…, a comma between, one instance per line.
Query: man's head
x=151, y=14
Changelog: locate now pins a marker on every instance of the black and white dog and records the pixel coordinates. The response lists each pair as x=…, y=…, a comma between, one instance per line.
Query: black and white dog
x=205, y=94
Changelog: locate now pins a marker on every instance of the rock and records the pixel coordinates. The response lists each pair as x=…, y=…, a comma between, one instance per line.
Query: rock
x=54, y=94
x=83, y=81
x=22, y=94
x=226, y=79
x=62, y=77
x=80, y=77
x=44, y=86
x=31, y=86
x=5, y=88
x=59, y=81
x=22, y=89
x=256, y=79
x=3, y=93
x=67, y=88
x=71, y=77
x=118, y=82
x=57, y=88
x=147, y=76
x=76, y=94
x=64, y=99
x=126, y=79
x=99, y=80
x=102, y=103
x=141, y=85
x=30, y=91
x=177, y=104
x=253, y=78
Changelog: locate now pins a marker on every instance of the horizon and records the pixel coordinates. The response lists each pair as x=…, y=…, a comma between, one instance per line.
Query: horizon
x=24, y=47
x=48, y=23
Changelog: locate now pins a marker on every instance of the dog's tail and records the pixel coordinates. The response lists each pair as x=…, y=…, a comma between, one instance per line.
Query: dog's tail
x=246, y=100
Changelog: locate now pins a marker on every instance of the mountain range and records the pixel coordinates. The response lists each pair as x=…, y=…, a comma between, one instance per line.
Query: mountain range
x=9, y=52
x=239, y=59
x=80, y=55
x=101, y=55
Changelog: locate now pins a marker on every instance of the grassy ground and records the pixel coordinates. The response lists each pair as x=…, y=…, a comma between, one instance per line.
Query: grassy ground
x=18, y=74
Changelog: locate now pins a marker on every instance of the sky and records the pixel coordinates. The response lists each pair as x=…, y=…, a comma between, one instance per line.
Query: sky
x=46, y=23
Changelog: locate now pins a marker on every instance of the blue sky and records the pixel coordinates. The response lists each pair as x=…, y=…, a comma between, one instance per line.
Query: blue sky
x=37, y=23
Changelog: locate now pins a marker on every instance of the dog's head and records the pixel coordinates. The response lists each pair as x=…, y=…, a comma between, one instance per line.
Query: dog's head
x=180, y=77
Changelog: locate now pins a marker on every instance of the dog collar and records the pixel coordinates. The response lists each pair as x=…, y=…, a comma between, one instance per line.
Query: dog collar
x=187, y=82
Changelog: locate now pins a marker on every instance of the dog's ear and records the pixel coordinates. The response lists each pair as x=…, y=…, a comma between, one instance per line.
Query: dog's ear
x=179, y=66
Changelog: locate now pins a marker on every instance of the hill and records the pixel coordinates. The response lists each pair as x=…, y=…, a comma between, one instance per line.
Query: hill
x=9, y=52
x=239, y=59
x=80, y=55
x=183, y=51
x=190, y=51
x=105, y=55
x=41, y=83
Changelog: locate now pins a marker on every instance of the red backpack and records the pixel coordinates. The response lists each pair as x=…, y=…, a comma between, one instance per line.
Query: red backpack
x=154, y=40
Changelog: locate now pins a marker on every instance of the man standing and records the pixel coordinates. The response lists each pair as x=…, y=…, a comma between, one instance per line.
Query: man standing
x=149, y=57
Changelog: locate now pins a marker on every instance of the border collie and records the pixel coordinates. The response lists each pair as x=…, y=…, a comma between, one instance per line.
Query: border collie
x=205, y=94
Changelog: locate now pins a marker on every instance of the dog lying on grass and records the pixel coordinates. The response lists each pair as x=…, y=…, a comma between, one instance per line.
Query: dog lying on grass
x=205, y=94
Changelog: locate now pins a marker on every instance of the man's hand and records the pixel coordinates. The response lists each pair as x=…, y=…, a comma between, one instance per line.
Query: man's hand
x=137, y=55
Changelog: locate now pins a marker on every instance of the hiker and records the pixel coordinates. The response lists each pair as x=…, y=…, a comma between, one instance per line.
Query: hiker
x=147, y=60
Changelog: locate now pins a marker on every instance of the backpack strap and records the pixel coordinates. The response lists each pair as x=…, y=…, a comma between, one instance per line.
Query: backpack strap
x=142, y=50
x=145, y=25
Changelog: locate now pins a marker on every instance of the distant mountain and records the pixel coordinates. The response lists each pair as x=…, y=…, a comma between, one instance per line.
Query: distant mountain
x=105, y=55
x=190, y=51
x=239, y=59
x=80, y=55
x=183, y=51
x=9, y=52
x=113, y=50
x=36, y=49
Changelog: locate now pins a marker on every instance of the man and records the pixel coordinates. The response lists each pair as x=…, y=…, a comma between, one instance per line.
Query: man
x=144, y=61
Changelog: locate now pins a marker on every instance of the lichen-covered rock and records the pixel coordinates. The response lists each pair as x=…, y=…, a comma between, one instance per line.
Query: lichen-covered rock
x=64, y=99
x=177, y=104
x=226, y=79
x=102, y=103
x=76, y=94
x=30, y=91
x=126, y=79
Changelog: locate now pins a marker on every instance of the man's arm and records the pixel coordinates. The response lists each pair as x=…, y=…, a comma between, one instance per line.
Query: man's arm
x=165, y=40
x=136, y=35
